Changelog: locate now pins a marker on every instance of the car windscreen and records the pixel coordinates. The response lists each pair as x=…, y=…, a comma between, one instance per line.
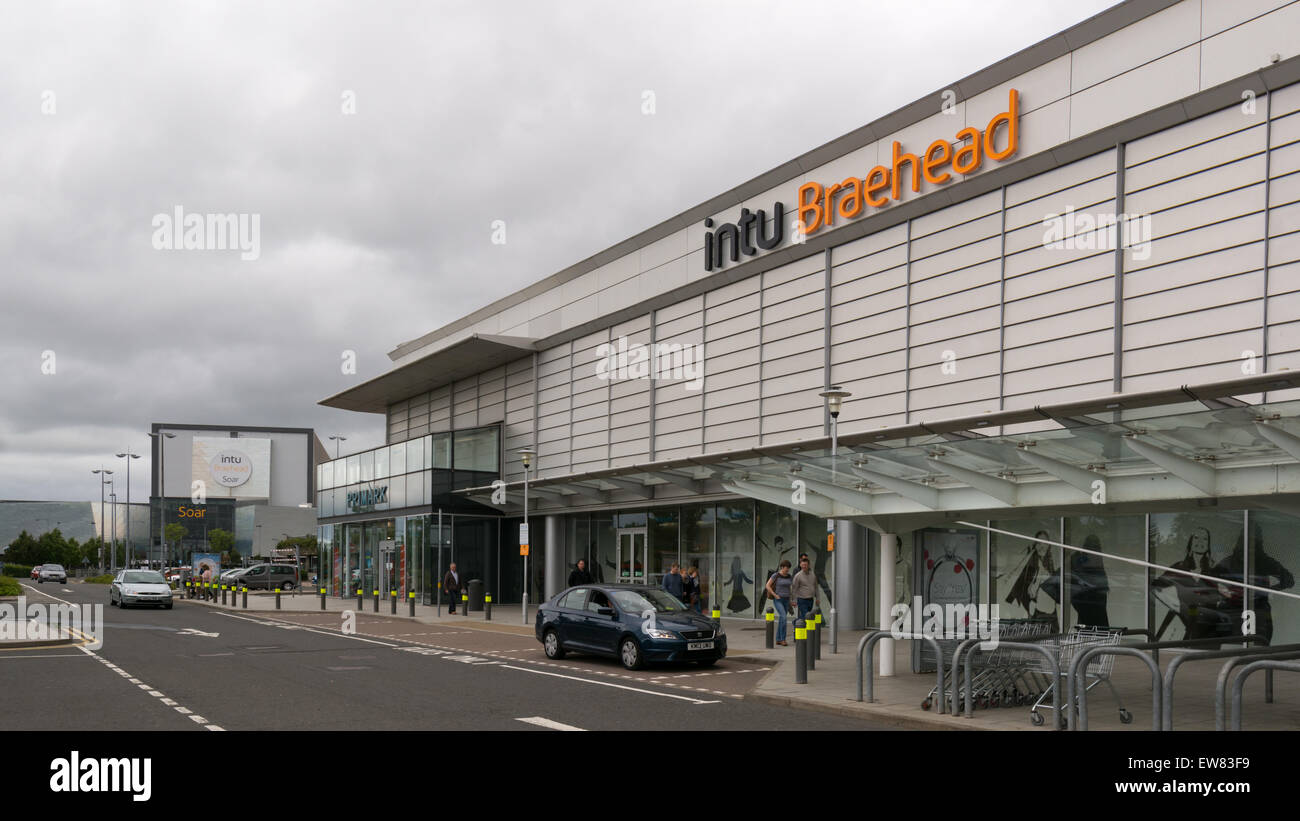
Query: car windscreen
x=639, y=601
x=143, y=577
x=53, y=568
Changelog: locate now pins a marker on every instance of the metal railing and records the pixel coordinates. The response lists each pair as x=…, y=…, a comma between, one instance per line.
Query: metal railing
x=1167, y=719
x=1080, y=666
x=866, y=668
x=1042, y=649
x=1264, y=664
x=1279, y=653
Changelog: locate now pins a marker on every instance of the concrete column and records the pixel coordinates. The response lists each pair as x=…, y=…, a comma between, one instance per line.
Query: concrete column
x=556, y=575
x=888, y=556
x=850, y=558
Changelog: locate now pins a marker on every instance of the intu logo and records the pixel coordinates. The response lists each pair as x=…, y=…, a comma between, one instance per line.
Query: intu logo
x=747, y=235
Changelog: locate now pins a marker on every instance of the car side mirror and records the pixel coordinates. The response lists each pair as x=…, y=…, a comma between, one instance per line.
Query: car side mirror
x=607, y=611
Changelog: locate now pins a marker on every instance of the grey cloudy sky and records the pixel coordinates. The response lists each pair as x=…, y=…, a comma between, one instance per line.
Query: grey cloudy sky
x=376, y=226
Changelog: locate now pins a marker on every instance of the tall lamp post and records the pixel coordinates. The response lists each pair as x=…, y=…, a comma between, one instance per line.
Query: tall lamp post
x=128, y=456
x=162, y=436
x=101, y=472
x=112, y=496
x=526, y=456
x=834, y=400
x=336, y=439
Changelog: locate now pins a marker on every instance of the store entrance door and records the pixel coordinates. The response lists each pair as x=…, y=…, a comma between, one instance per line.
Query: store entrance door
x=631, y=556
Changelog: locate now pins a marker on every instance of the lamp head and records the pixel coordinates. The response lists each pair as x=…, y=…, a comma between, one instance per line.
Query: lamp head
x=834, y=399
x=526, y=456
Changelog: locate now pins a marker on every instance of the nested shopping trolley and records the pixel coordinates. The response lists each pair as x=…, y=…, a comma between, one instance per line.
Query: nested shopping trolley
x=1066, y=648
x=1002, y=679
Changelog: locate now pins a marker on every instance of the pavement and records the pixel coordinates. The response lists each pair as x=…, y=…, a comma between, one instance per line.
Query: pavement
x=753, y=673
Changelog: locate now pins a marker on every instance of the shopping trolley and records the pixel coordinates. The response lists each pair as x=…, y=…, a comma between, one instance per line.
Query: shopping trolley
x=1067, y=648
x=1000, y=680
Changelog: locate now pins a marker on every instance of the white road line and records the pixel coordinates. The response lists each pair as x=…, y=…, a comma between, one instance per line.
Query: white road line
x=146, y=687
x=608, y=684
x=215, y=727
x=550, y=725
x=336, y=634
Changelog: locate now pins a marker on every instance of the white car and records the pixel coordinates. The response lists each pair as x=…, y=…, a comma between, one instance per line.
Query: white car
x=52, y=573
x=140, y=587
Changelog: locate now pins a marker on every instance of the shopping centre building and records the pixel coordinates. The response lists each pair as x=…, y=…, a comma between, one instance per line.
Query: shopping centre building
x=1063, y=294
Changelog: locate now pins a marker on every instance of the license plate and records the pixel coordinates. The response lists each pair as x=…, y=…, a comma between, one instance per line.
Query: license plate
x=699, y=645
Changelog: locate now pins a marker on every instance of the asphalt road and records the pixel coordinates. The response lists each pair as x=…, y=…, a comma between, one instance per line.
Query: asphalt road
x=196, y=668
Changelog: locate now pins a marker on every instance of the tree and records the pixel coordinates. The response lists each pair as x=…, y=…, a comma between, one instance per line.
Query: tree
x=221, y=541
x=24, y=550
x=174, y=533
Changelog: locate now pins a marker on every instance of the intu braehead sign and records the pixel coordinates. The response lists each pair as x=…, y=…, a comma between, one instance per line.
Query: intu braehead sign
x=369, y=497
x=820, y=204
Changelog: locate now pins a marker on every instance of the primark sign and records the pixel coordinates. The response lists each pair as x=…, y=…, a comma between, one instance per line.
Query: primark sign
x=367, y=498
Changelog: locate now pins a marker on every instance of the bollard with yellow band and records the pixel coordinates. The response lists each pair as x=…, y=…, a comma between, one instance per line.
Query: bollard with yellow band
x=717, y=614
x=392, y=597
x=322, y=598
x=376, y=601
x=821, y=629
x=800, y=656
x=245, y=591
x=464, y=604
x=487, y=607
x=223, y=594
x=361, y=599
x=770, y=616
x=277, y=598
x=811, y=639
x=411, y=598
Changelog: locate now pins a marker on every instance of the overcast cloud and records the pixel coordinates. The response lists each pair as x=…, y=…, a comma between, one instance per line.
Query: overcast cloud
x=376, y=226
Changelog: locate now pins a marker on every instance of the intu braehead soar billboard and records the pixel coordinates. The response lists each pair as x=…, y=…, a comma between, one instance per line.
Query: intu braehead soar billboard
x=233, y=468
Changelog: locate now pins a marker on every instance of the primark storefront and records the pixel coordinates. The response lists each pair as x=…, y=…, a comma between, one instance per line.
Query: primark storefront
x=1063, y=295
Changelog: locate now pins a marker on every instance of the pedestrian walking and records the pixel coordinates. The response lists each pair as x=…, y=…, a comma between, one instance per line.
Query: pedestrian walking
x=451, y=586
x=691, y=588
x=579, y=574
x=672, y=583
x=804, y=588
x=778, y=590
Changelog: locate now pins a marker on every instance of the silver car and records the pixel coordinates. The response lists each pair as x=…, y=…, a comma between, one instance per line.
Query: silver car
x=140, y=587
x=52, y=573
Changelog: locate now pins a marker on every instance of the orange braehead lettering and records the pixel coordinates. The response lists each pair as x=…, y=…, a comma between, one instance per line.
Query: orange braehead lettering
x=828, y=204
x=851, y=205
x=971, y=151
x=880, y=185
x=1012, y=118
x=937, y=156
x=916, y=171
x=810, y=212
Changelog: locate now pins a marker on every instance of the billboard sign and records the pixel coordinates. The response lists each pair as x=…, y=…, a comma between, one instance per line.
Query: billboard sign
x=233, y=467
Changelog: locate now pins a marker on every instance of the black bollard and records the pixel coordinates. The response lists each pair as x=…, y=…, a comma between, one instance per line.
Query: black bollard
x=376, y=601
x=821, y=628
x=411, y=598
x=487, y=607
x=464, y=604
x=392, y=594
x=361, y=600
x=245, y=597
x=770, y=615
x=810, y=625
x=800, y=657
x=277, y=598
x=322, y=598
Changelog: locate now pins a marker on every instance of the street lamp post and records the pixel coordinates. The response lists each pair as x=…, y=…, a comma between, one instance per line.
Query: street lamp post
x=101, y=472
x=128, y=456
x=112, y=495
x=834, y=399
x=162, y=436
x=526, y=456
x=336, y=439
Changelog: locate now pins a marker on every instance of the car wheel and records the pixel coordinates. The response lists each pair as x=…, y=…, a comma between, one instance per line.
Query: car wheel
x=707, y=662
x=551, y=644
x=167, y=606
x=630, y=654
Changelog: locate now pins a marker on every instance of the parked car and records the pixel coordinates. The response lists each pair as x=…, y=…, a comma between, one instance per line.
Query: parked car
x=52, y=573
x=229, y=576
x=270, y=576
x=634, y=623
x=140, y=587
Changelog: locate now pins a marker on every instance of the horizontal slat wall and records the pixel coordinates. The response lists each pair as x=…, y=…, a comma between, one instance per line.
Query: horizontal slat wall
x=1193, y=307
x=629, y=403
x=679, y=411
x=589, y=426
x=1284, y=237
x=733, y=344
x=518, y=433
x=793, y=343
x=554, y=402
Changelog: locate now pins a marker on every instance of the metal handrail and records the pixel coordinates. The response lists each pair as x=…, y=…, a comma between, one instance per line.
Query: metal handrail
x=1056, y=675
x=1167, y=720
x=1239, y=684
x=1082, y=659
x=1225, y=672
x=956, y=662
x=869, y=641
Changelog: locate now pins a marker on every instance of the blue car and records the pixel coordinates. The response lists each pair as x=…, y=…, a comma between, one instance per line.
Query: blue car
x=632, y=623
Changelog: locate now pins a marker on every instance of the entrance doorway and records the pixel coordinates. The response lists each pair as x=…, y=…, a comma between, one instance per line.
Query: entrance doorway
x=631, y=556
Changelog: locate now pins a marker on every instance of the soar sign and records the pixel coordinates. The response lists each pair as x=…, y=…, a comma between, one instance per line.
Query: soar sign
x=367, y=498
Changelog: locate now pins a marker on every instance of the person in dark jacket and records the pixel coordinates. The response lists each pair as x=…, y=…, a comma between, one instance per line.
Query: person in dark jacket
x=580, y=574
x=673, y=582
x=451, y=585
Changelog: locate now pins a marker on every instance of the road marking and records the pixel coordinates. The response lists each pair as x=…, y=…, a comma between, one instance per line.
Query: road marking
x=550, y=725
x=610, y=684
x=190, y=631
x=146, y=687
x=215, y=727
x=45, y=656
